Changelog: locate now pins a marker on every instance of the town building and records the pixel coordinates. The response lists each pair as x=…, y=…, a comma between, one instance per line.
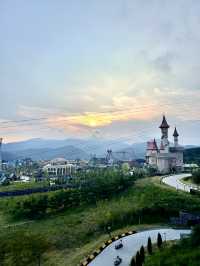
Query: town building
x=165, y=157
x=59, y=167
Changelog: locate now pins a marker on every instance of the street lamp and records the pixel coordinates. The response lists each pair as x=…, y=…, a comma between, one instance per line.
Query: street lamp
x=165, y=236
x=109, y=231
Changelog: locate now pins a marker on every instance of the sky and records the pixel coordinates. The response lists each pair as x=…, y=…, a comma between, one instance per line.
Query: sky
x=103, y=69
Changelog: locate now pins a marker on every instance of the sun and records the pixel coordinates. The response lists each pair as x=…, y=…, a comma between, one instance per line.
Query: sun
x=92, y=123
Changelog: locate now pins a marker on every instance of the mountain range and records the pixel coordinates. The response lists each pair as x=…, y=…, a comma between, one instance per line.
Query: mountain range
x=42, y=149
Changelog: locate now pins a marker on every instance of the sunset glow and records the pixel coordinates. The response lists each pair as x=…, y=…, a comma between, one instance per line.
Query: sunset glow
x=114, y=76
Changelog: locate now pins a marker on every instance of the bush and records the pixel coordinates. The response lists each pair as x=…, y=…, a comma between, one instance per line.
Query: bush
x=196, y=176
x=138, y=259
x=95, y=186
x=195, y=236
x=149, y=246
x=142, y=254
x=21, y=248
x=133, y=262
x=159, y=240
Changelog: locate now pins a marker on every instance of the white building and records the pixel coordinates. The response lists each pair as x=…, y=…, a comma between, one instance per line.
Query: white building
x=166, y=158
x=59, y=167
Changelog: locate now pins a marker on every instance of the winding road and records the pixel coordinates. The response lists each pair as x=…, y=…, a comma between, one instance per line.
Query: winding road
x=175, y=181
x=133, y=242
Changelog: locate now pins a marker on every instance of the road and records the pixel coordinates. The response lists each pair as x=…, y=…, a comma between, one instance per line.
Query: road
x=132, y=244
x=175, y=181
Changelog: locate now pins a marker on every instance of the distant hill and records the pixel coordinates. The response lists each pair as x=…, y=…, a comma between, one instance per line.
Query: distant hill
x=67, y=152
x=73, y=148
x=92, y=145
x=192, y=155
x=134, y=151
x=68, y=148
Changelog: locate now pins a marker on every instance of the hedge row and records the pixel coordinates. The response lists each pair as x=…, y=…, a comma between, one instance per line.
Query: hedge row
x=101, y=185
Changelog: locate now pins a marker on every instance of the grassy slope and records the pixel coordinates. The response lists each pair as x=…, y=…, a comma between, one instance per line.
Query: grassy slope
x=174, y=254
x=76, y=233
x=192, y=155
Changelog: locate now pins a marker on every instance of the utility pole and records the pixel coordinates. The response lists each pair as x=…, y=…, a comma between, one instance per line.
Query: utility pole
x=1, y=140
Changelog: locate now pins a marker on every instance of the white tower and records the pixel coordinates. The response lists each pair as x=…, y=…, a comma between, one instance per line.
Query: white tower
x=164, y=130
x=175, y=135
x=1, y=154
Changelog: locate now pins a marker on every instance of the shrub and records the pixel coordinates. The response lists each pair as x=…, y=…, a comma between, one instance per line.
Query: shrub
x=95, y=185
x=142, y=254
x=138, y=259
x=21, y=248
x=149, y=246
x=195, y=237
x=133, y=262
x=159, y=240
x=196, y=176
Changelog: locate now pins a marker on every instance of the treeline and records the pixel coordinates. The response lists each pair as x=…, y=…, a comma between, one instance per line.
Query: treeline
x=91, y=187
x=192, y=155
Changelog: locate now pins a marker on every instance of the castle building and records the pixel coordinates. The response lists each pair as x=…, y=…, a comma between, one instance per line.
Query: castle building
x=165, y=157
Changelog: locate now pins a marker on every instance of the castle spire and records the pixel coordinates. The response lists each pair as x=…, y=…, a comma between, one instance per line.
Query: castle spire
x=164, y=131
x=164, y=123
x=175, y=133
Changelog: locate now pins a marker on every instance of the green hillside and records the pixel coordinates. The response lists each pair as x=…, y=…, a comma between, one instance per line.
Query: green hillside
x=184, y=252
x=192, y=155
x=67, y=235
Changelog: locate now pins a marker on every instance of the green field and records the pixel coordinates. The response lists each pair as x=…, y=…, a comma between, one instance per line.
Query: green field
x=76, y=232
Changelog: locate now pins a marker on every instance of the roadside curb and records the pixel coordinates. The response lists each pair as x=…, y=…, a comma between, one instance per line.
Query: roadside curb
x=92, y=256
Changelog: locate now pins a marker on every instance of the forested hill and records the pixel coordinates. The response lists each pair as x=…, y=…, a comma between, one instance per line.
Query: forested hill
x=192, y=155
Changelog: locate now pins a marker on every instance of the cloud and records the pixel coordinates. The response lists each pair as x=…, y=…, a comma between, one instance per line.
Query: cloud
x=163, y=63
x=139, y=61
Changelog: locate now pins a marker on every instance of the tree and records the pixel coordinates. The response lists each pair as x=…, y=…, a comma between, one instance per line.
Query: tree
x=142, y=254
x=195, y=237
x=125, y=168
x=149, y=246
x=159, y=240
x=138, y=259
x=21, y=248
x=196, y=176
x=133, y=262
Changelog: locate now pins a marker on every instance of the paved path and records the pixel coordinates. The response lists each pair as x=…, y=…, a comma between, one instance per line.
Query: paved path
x=175, y=181
x=132, y=244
